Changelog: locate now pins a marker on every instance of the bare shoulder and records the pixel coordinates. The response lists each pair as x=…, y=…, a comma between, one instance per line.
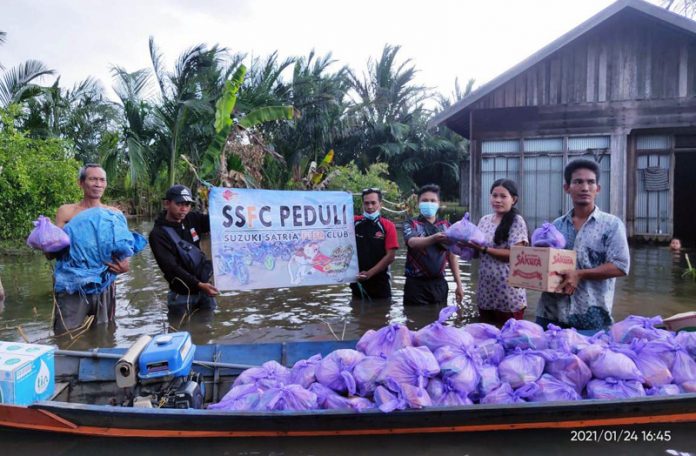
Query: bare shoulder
x=115, y=209
x=65, y=213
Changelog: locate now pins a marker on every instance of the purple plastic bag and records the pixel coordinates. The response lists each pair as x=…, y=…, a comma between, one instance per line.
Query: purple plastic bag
x=489, y=379
x=522, y=334
x=465, y=231
x=520, y=368
x=367, y=373
x=547, y=235
x=504, y=394
x=664, y=390
x=388, y=401
x=688, y=387
x=636, y=327
x=336, y=370
x=615, y=362
x=287, y=397
x=443, y=394
x=436, y=334
x=47, y=237
x=241, y=397
x=612, y=388
x=482, y=332
x=462, y=250
x=411, y=366
x=551, y=389
x=684, y=368
x=330, y=399
x=568, y=368
x=592, y=351
x=270, y=374
x=491, y=352
x=569, y=339
x=653, y=360
x=687, y=340
x=459, y=368
x=302, y=373
x=385, y=341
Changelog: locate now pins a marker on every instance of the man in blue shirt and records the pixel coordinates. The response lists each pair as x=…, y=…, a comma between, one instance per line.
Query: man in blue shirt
x=586, y=294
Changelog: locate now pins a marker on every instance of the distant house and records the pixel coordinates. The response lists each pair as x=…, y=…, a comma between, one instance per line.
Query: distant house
x=620, y=89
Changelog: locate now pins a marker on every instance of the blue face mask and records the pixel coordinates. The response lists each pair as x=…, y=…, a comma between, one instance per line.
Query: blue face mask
x=374, y=216
x=428, y=209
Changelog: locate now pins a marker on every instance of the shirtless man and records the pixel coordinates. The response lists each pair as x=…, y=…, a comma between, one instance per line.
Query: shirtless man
x=74, y=308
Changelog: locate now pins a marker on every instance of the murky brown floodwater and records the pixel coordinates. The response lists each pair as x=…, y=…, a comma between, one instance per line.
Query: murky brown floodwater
x=654, y=287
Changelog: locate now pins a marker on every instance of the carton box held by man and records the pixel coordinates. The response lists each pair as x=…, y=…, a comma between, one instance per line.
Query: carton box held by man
x=538, y=268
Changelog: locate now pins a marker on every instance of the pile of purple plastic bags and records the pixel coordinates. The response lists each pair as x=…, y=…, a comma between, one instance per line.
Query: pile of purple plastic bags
x=394, y=368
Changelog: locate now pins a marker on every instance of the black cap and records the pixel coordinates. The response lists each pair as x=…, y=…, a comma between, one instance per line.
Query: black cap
x=179, y=194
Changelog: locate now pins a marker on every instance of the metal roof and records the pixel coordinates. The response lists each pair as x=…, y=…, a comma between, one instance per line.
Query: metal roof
x=657, y=12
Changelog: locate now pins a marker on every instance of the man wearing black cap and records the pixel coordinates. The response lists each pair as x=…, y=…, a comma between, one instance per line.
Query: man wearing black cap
x=175, y=243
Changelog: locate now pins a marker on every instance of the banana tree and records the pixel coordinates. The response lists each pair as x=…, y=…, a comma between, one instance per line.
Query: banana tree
x=236, y=154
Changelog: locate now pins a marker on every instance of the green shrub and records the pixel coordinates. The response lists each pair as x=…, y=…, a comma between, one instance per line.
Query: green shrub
x=351, y=179
x=36, y=177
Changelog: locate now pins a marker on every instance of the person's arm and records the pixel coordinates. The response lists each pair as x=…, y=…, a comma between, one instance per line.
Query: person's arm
x=63, y=215
x=454, y=266
x=381, y=265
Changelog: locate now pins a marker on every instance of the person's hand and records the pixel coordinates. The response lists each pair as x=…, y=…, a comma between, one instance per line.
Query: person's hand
x=119, y=266
x=439, y=237
x=459, y=294
x=474, y=245
x=570, y=281
x=208, y=288
x=364, y=275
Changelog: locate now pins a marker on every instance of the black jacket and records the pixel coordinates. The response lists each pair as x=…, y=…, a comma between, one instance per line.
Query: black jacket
x=165, y=250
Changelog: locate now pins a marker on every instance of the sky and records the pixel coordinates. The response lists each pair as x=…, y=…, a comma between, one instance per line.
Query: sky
x=445, y=39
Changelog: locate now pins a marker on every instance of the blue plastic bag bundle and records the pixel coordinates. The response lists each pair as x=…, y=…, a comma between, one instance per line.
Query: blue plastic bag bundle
x=388, y=401
x=636, y=327
x=385, y=341
x=568, y=339
x=367, y=374
x=336, y=370
x=521, y=367
x=286, y=397
x=654, y=360
x=551, y=390
x=303, y=371
x=663, y=390
x=615, y=362
x=437, y=334
x=612, y=388
x=331, y=400
x=505, y=394
x=547, y=235
x=240, y=397
x=443, y=393
x=47, y=237
x=269, y=374
x=522, y=334
x=97, y=236
x=568, y=368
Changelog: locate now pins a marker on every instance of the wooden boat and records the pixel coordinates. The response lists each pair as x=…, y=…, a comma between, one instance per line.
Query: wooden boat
x=86, y=389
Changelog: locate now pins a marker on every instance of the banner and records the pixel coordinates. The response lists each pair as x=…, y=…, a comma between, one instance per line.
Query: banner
x=274, y=238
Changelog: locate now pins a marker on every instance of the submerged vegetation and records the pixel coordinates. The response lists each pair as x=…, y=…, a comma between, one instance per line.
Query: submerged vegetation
x=212, y=118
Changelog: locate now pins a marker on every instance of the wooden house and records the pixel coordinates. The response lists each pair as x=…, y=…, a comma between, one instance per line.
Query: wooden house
x=620, y=89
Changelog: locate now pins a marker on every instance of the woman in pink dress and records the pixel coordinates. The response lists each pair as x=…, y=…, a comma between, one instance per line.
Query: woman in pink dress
x=505, y=227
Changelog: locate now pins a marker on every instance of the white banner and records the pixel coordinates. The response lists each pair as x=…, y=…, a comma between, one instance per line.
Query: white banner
x=275, y=239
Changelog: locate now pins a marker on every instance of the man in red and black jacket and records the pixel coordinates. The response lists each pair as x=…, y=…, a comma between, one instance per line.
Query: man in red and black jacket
x=427, y=255
x=175, y=243
x=377, y=243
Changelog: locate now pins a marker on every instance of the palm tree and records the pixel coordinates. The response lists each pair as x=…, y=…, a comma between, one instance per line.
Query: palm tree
x=17, y=83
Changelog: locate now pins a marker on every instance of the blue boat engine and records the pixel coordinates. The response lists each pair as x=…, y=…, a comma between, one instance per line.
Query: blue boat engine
x=164, y=375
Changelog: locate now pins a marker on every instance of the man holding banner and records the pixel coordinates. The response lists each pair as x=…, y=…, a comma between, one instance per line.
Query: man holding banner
x=377, y=243
x=175, y=242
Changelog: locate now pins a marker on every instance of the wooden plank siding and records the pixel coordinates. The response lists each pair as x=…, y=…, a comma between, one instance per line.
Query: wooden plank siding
x=632, y=57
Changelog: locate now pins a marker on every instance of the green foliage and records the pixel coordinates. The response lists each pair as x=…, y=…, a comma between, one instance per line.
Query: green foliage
x=36, y=176
x=351, y=179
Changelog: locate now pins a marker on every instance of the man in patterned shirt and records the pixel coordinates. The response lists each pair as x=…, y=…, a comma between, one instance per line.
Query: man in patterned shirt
x=586, y=294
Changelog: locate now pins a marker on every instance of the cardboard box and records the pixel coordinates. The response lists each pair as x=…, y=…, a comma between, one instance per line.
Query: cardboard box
x=536, y=268
x=26, y=373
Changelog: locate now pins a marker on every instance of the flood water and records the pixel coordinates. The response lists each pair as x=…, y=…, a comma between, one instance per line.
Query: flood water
x=655, y=286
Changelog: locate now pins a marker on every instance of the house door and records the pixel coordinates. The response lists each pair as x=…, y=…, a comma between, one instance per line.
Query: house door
x=684, y=213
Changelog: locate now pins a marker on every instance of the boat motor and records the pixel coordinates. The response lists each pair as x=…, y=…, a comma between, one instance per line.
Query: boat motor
x=164, y=375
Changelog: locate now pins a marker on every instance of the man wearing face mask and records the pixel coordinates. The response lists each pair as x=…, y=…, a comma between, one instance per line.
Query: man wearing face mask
x=377, y=243
x=427, y=254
